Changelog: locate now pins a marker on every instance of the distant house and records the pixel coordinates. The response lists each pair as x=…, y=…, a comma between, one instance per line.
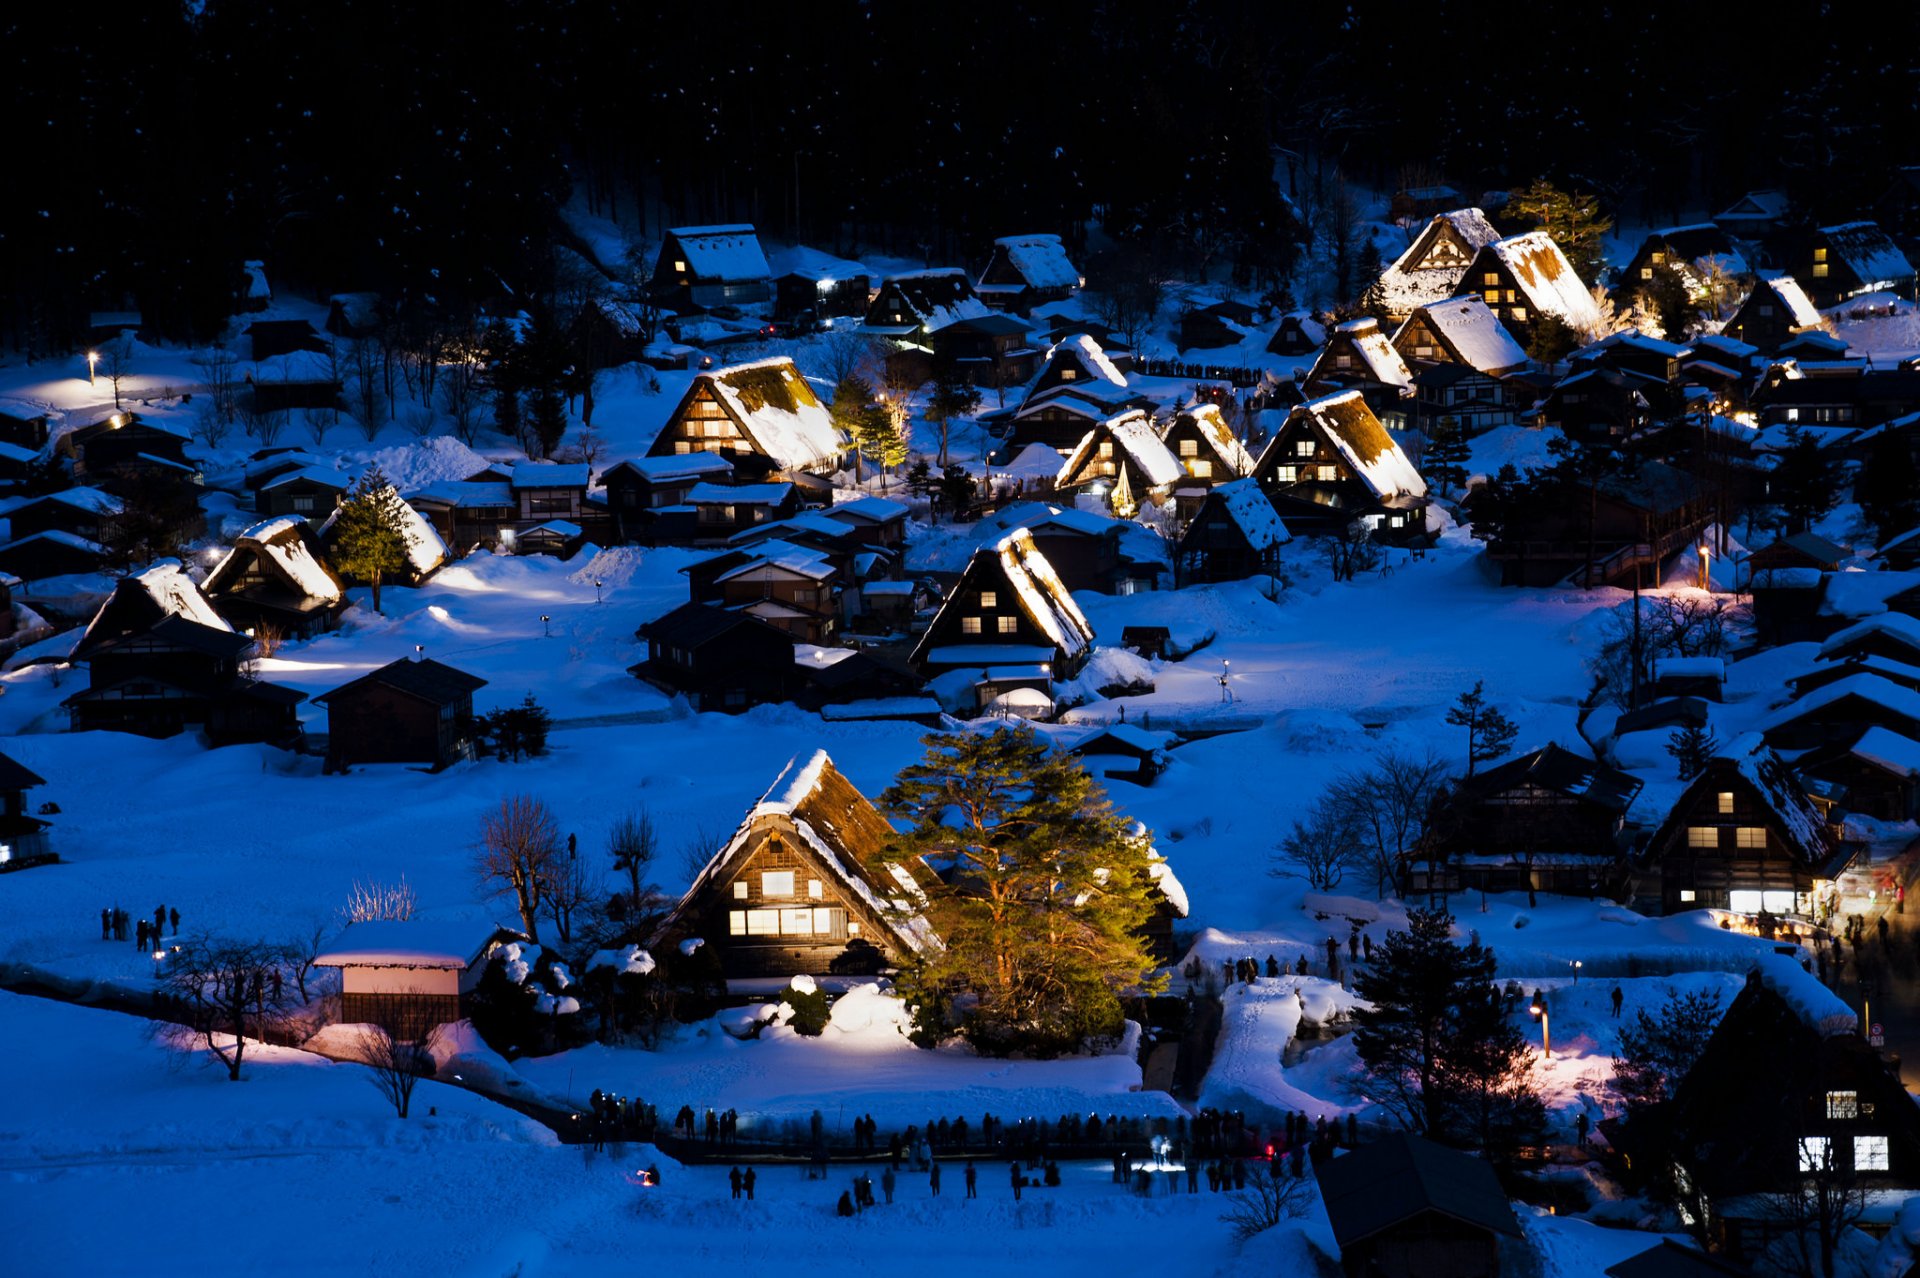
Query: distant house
x=811, y=285
x=794, y=592
x=268, y=338
x=21, y=836
x=1775, y=311
x=87, y=513
x=1640, y=524
x=805, y=886
x=763, y=417
x=1548, y=820
x=467, y=515
x=993, y=352
x=913, y=306
x=543, y=491
x=1008, y=611
x=1296, y=334
x=416, y=711
x=1435, y=262
x=1526, y=278
x=1332, y=462
x=1123, y=461
x=644, y=492
x=408, y=977
x=876, y=521
x=1205, y=446
x=311, y=491
x=1212, y=325
x=1878, y=771
x=354, y=314
x=1890, y=636
x=145, y=598
x=1460, y=355
x=1694, y=253
x=275, y=579
x=1359, y=357
x=1851, y=258
x=293, y=380
x=718, y=659
x=1799, y=550
x=1787, y=1092
x=1025, y=271
x=1123, y=752
x=721, y=510
x=41, y=555
x=124, y=443
x=23, y=427
x=1077, y=387
x=1703, y=677
x=1840, y=711
x=1669, y=1259
x=1743, y=837
x=1085, y=550
x=177, y=672
x=1404, y=1207
x=1755, y=214
x=1235, y=534
x=704, y=267
x=1412, y=203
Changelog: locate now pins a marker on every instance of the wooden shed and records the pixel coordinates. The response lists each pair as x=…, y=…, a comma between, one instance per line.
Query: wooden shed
x=409, y=976
x=407, y=711
x=1404, y=1207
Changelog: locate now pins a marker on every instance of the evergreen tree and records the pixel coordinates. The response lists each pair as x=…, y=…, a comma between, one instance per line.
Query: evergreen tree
x=1888, y=486
x=1447, y=455
x=1042, y=895
x=1490, y=733
x=1691, y=747
x=518, y=732
x=370, y=532
x=1366, y=270
x=952, y=396
x=1667, y=298
x=1434, y=1040
x=1572, y=219
x=956, y=489
x=920, y=480
x=853, y=410
x=547, y=417
x=502, y=357
x=1551, y=339
x=1806, y=483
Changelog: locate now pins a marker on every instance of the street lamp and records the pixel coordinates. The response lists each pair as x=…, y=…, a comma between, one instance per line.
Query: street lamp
x=546, y=623
x=596, y=590
x=1226, y=692
x=1539, y=1008
x=1706, y=554
x=1576, y=965
x=93, y=362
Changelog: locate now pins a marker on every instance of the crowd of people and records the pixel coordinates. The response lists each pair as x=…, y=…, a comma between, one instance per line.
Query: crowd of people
x=117, y=925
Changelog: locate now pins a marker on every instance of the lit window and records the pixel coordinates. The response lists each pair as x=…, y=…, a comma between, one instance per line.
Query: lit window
x=739, y=889
x=969, y=625
x=1328, y=474
x=776, y=883
x=989, y=599
x=1106, y=468
x=1519, y=313
x=1870, y=1153
x=1189, y=448
x=798, y=922
x=1646, y=272
x=1793, y=414
x=1659, y=258
x=853, y=929
x=1819, y=255
x=1819, y=270
x=824, y=921
x=1422, y=352
x=816, y=889
x=736, y=922
x=1068, y=374
x=1687, y=895
x=1750, y=836
x=1745, y=901
x=1343, y=361
x=1493, y=297
x=1843, y=1104
x=1286, y=474
x=1726, y=802
x=1816, y=1154
x=1008, y=625
x=1303, y=448
x=681, y=267
x=1703, y=836
x=1397, y=521
x=1202, y=469
x=1106, y=448
x=1491, y=277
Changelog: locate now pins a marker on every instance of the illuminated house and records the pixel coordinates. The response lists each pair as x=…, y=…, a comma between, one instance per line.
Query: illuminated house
x=763, y=417
x=701, y=267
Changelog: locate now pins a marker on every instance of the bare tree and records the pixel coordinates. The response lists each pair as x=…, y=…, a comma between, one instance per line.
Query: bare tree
x=1817, y=1214
x=420, y=421
x=225, y=992
x=395, y=1065
x=569, y=891
x=219, y=370
x=1265, y=1202
x=366, y=373
x=520, y=853
x=1319, y=848
x=845, y=353
x=375, y=900
x=1349, y=551
x=460, y=389
x=303, y=953
x=269, y=426
x=116, y=363
x=317, y=421
x=1388, y=805
x=700, y=848
x=210, y=427
x=632, y=844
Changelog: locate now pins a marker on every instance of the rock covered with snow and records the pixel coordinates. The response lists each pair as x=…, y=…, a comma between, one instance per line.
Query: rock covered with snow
x=631, y=961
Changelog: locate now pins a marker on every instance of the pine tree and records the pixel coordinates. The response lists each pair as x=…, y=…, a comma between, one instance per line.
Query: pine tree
x=1435, y=1042
x=1574, y=221
x=1888, y=486
x=1490, y=733
x=852, y=411
x=956, y=489
x=1551, y=339
x=1665, y=296
x=370, y=532
x=547, y=417
x=1447, y=455
x=1806, y=482
x=1691, y=748
x=952, y=396
x=1042, y=897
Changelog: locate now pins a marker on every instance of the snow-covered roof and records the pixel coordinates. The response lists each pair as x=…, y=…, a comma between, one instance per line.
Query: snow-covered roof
x=1807, y=996
x=724, y=253
x=1889, y=750
x=1543, y=273
x=1035, y=514
x=1473, y=333
x=1895, y=625
x=557, y=527
x=1246, y=504
x=91, y=500
x=934, y=298
x=461, y=492
x=675, y=466
x=877, y=509
x=1133, y=433
x=798, y=563
x=705, y=494
x=1414, y=279
x=62, y=537
x=286, y=542
x=1041, y=260
x=1690, y=668
x=167, y=584
x=1789, y=294
x=257, y=288
x=1869, y=252
x=815, y=265
x=1872, y=688
x=1375, y=349
x=1042, y=595
x=1089, y=355
x=311, y=475
x=425, y=550
x=1035, y=461
x=776, y=409
x=549, y=475
x=409, y=943
x=1350, y=426
x=1212, y=427
x=1774, y=782
x=300, y=367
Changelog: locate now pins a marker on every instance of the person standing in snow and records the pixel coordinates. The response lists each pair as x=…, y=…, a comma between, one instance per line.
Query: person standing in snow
x=1366, y=946
x=159, y=920
x=173, y=917
x=733, y=1179
x=747, y=1181
x=140, y=935
x=1580, y=1130
x=887, y=1181
x=1618, y=999
x=106, y=925
x=1353, y=1131
x=845, y=1207
x=933, y=1179
x=972, y=1177
x=1013, y=1172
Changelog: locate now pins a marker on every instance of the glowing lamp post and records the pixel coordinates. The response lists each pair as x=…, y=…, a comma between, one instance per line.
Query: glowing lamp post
x=1226, y=690
x=1539, y=1008
x=93, y=362
x=546, y=623
x=1706, y=554
x=596, y=590
x=1576, y=965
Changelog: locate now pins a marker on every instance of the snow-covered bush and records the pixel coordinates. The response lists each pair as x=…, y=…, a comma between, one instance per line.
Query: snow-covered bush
x=804, y=1010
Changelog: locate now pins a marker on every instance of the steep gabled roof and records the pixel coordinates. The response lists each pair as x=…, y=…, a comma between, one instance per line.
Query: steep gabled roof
x=1132, y=433
x=1871, y=688
x=422, y=677
x=776, y=409
x=1398, y=1177
x=1554, y=768
x=285, y=547
x=693, y=624
x=1369, y=450
x=1773, y=783
x=1212, y=427
x=1897, y=626
x=1245, y=504
x=1869, y=253
x=1788, y=293
x=1040, y=260
x=1041, y=595
x=15, y=775
x=1406, y=284
x=138, y=602
x=1543, y=273
x=845, y=834
x=1472, y=334
x=934, y=298
x=815, y=265
x=1370, y=342
x=722, y=253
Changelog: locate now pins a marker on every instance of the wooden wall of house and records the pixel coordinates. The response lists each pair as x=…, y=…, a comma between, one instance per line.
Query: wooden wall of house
x=1709, y=874
x=1429, y=1245
x=377, y=724
x=725, y=917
